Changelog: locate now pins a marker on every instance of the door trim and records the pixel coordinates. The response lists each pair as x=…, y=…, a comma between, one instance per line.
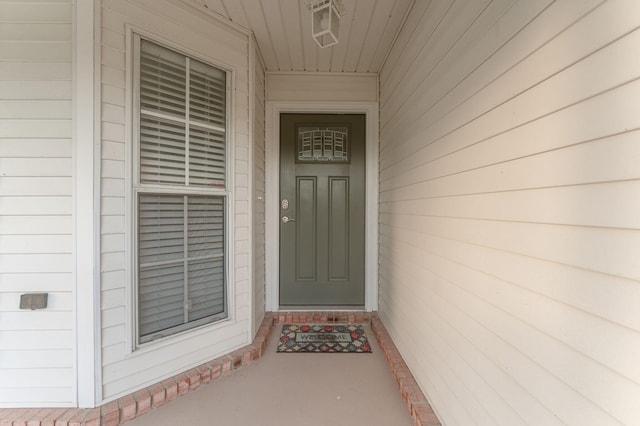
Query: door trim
x=272, y=191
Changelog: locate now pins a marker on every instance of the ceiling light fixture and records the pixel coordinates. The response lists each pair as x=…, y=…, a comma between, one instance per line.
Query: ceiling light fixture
x=325, y=20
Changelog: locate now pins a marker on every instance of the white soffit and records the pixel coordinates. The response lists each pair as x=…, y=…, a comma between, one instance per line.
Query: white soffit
x=283, y=33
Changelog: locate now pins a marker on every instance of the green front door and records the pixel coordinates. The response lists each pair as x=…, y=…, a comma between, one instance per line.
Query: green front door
x=322, y=213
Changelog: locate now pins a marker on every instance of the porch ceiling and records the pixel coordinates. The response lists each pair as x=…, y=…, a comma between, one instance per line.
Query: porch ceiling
x=283, y=32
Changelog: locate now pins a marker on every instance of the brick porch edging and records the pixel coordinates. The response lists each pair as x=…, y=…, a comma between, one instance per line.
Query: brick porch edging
x=419, y=407
x=143, y=401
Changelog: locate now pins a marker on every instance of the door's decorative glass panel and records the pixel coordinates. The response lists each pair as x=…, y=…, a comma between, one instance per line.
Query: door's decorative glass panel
x=323, y=144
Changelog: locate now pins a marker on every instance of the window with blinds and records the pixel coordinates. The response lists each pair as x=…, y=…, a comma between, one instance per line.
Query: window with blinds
x=180, y=191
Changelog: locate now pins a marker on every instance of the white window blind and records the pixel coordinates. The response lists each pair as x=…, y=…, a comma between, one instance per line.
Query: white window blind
x=182, y=119
x=180, y=191
x=181, y=261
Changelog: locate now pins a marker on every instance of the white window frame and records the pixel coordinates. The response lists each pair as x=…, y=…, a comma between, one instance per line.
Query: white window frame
x=146, y=188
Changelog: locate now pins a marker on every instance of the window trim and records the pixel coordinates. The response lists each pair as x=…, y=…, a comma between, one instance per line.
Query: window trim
x=135, y=188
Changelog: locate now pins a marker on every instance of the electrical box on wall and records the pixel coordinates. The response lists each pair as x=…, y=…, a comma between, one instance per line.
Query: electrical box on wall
x=34, y=301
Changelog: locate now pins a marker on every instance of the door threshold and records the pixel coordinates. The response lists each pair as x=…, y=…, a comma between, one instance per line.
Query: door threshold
x=339, y=316
x=323, y=308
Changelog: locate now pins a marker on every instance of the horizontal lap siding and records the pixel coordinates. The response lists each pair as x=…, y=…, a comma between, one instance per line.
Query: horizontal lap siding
x=36, y=242
x=258, y=193
x=125, y=370
x=114, y=316
x=319, y=87
x=509, y=228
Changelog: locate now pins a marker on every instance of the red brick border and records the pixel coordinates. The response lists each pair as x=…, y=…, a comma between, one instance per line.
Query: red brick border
x=417, y=403
x=150, y=398
x=322, y=317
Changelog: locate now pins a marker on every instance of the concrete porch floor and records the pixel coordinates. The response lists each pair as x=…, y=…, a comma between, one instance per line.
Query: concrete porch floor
x=254, y=385
x=294, y=389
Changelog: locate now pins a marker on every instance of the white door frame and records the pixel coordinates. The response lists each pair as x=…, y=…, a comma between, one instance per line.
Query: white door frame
x=272, y=192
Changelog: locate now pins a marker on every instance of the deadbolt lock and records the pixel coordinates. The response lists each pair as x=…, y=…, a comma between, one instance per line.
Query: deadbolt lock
x=285, y=204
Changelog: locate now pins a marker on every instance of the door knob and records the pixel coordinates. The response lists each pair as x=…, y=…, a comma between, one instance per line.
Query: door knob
x=286, y=219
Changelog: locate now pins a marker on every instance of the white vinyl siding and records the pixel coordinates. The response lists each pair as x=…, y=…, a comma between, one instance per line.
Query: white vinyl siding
x=184, y=29
x=306, y=87
x=259, y=241
x=509, y=227
x=36, y=204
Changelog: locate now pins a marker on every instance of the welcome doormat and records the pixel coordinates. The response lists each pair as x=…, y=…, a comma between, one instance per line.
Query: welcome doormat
x=323, y=338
